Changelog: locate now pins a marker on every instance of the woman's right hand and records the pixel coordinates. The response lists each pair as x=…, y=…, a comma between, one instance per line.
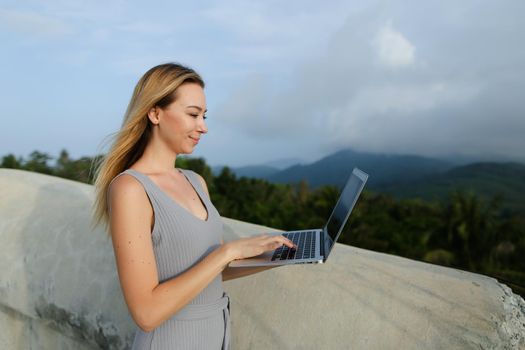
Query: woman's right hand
x=256, y=245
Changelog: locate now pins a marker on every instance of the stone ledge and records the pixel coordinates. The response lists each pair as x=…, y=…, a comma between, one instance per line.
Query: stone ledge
x=61, y=287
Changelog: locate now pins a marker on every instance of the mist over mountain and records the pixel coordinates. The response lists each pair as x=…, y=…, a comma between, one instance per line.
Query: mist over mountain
x=284, y=163
x=264, y=170
x=383, y=168
x=257, y=171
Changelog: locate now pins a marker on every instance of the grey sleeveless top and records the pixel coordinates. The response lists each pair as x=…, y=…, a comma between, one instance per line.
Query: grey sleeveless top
x=180, y=240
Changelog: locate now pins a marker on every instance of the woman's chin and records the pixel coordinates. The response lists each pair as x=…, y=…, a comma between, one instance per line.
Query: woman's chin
x=187, y=151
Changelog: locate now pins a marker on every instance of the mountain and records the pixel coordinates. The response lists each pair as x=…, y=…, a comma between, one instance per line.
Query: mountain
x=383, y=169
x=487, y=179
x=259, y=171
x=461, y=159
x=284, y=163
x=407, y=176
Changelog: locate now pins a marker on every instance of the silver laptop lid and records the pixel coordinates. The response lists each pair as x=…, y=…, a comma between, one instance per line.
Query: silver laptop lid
x=343, y=208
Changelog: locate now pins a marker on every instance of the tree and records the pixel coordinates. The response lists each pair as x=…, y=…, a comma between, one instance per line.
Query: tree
x=38, y=163
x=78, y=170
x=470, y=226
x=11, y=162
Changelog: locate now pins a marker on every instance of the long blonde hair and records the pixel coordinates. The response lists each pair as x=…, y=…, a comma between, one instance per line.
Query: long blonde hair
x=157, y=87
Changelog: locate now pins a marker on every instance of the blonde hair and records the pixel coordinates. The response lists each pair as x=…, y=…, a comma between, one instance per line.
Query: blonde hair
x=157, y=87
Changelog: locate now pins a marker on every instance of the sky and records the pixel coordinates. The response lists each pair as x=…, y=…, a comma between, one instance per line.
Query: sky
x=284, y=79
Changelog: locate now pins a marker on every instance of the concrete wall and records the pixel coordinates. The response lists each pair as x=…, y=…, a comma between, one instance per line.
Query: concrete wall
x=59, y=289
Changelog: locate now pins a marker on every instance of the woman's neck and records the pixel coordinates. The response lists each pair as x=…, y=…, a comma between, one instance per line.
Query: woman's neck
x=156, y=159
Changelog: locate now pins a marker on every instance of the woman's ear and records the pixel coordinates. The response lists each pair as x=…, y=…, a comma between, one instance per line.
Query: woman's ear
x=154, y=115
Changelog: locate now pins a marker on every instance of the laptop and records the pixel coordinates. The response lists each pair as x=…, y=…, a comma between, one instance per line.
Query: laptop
x=313, y=246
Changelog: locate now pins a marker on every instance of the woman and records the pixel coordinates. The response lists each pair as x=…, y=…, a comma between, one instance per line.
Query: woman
x=166, y=233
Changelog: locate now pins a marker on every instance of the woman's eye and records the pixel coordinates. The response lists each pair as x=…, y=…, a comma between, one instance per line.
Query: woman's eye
x=196, y=116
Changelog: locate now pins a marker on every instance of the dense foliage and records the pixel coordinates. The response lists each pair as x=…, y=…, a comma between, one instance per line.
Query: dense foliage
x=79, y=170
x=465, y=231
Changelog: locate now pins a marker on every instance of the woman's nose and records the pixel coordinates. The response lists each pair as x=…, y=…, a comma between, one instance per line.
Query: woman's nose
x=203, y=128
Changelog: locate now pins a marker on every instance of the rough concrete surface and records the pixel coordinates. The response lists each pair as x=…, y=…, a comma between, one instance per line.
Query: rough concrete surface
x=59, y=289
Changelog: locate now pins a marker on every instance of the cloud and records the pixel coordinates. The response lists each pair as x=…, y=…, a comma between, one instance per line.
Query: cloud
x=459, y=95
x=409, y=99
x=33, y=24
x=262, y=33
x=405, y=76
x=393, y=49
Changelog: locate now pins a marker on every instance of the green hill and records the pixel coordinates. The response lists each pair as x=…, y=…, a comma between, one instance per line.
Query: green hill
x=383, y=168
x=506, y=180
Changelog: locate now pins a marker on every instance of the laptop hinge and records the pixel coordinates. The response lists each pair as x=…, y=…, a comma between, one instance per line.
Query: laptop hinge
x=321, y=245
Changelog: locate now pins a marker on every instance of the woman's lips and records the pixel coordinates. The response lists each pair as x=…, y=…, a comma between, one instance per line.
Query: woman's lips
x=195, y=141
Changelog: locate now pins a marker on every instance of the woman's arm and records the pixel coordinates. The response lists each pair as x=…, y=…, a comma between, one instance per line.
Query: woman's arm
x=230, y=273
x=150, y=302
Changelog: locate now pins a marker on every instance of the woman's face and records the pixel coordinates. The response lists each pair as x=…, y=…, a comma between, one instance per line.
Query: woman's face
x=181, y=124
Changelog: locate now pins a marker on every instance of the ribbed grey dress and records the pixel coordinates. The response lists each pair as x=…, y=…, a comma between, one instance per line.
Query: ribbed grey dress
x=180, y=240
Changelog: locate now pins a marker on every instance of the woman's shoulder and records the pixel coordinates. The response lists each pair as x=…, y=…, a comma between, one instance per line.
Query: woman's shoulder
x=126, y=194
x=125, y=184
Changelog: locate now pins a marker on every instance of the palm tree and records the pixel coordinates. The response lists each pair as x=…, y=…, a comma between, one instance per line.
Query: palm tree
x=470, y=226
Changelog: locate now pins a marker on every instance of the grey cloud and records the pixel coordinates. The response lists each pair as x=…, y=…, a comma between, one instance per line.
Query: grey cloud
x=460, y=94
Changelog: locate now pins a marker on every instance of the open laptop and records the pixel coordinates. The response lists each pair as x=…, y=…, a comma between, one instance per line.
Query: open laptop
x=314, y=246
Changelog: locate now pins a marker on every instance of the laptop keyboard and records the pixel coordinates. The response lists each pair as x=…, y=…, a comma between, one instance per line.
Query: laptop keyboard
x=305, y=242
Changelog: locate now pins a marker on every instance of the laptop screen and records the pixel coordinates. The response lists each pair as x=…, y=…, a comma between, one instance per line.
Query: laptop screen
x=343, y=208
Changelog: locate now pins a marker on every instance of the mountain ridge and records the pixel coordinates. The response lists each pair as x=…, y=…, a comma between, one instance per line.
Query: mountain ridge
x=406, y=176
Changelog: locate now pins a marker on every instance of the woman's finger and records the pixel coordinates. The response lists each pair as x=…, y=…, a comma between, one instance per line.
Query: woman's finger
x=274, y=245
x=285, y=241
x=288, y=243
